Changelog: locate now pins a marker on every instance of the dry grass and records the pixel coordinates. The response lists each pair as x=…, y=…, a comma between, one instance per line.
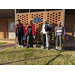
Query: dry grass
x=36, y=56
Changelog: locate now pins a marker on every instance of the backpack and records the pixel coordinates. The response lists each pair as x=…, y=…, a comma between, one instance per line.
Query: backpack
x=47, y=28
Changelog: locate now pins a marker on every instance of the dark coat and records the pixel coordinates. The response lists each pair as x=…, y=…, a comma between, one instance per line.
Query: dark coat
x=22, y=30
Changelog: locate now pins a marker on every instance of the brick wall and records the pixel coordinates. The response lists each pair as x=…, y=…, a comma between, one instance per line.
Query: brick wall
x=69, y=26
x=3, y=28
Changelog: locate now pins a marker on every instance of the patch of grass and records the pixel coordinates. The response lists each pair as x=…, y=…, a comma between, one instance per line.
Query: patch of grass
x=29, y=49
x=36, y=56
x=72, y=61
x=25, y=62
x=41, y=51
x=2, y=43
x=57, y=52
x=28, y=54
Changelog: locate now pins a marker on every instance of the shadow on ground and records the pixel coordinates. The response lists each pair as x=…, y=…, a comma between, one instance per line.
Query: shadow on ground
x=53, y=59
x=32, y=59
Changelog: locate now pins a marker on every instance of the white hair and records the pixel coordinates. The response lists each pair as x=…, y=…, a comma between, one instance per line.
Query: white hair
x=45, y=20
x=59, y=22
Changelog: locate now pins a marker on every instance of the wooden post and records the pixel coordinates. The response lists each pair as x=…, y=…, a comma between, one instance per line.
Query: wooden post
x=29, y=14
x=45, y=13
x=63, y=17
x=15, y=24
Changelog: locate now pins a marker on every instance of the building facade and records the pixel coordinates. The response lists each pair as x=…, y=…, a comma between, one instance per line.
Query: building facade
x=8, y=19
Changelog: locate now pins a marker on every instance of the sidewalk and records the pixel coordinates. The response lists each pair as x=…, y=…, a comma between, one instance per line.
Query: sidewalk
x=5, y=46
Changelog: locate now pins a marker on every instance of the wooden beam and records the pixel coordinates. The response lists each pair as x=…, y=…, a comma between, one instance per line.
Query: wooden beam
x=29, y=14
x=45, y=13
x=15, y=24
x=6, y=13
x=63, y=17
x=15, y=16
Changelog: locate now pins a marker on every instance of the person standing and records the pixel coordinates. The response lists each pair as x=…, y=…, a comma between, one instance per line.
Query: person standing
x=20, y=31
x=46, y=34
x=30, y=31
x=59, y=34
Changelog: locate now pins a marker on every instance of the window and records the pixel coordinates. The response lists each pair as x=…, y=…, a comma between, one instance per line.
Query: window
x=12, y=25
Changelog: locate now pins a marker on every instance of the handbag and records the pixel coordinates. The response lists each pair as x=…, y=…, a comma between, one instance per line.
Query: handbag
x=24, y=37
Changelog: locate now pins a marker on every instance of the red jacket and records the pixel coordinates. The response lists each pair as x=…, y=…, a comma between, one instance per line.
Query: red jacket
x=33, y=30
x=21, y=27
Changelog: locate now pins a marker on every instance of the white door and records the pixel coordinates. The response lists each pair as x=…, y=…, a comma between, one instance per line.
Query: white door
x=11, y=28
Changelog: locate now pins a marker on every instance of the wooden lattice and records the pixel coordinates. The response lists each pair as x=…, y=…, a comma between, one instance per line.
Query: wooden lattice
x=38, y=26
x=24, y=17
x=52, y=18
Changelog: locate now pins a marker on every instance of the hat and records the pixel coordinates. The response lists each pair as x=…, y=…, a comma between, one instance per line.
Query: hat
x=45, y=20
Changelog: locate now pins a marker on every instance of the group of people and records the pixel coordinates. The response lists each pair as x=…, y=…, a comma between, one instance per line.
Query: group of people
x=29, y=31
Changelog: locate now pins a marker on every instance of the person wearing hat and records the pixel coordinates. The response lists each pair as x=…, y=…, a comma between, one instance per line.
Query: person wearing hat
x=30, y=31
x=59, y=34
x=20, y=31
x=46, y=34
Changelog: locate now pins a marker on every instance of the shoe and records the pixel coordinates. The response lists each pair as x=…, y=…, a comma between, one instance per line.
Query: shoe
x=27, y=46
x=47, y=48
x=60, y=48
x=56, y=48
x=43, y=48
x=31, y=46
x=19, y=46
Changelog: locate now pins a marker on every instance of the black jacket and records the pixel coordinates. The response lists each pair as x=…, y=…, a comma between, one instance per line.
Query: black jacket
x=21, y=32
x=47, y=28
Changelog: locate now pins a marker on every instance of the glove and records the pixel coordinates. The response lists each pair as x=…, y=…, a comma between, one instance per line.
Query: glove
x=25, y=34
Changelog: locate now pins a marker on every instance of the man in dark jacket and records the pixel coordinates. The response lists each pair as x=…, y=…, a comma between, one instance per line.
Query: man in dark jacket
x=20, y=31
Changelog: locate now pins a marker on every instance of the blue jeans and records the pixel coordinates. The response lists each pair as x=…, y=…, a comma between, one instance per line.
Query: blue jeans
x=59, y=41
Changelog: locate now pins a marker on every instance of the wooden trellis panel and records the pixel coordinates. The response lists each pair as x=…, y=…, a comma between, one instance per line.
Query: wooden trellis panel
x=24, y=17
x=52, y=18
x=38, y=26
